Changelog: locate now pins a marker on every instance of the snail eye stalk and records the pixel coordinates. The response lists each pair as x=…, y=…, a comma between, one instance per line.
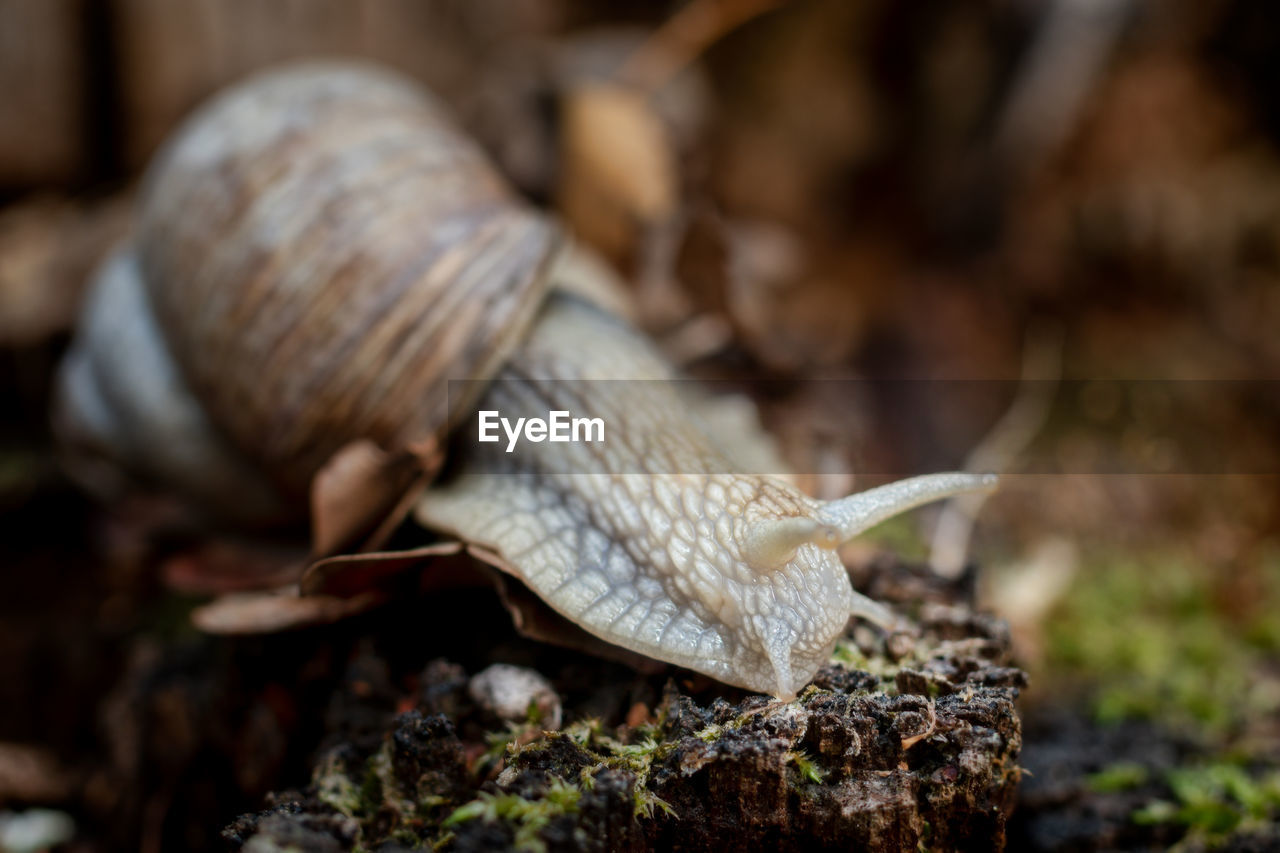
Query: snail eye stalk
x=857, y=513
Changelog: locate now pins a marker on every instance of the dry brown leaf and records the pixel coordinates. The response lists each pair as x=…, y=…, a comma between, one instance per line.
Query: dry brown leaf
x=278, y=610
x=618, y=170
x=221, y=566
x=352, y=574
x=358, y=492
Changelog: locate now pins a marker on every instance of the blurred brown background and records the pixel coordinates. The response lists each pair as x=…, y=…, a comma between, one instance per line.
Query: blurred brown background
x=1070, y=190
x=810, y=189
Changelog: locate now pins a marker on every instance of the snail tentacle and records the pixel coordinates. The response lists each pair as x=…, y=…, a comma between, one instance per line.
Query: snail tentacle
x=859, y=512
x=771, y=543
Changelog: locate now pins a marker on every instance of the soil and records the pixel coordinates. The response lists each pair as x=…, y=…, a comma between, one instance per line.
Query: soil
x=925, y=752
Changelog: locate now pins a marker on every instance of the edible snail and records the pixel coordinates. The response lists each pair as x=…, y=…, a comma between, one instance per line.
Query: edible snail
x=318, y=253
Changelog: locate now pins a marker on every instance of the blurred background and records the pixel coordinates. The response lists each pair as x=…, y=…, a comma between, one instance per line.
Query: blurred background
x=1038, y=236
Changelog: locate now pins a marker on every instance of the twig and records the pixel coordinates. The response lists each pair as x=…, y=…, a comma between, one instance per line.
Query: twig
x=1076, y=39
x=1041, y=370
x=684, y=37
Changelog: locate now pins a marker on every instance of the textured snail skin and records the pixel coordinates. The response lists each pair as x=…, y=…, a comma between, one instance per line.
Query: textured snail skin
x=654, y=540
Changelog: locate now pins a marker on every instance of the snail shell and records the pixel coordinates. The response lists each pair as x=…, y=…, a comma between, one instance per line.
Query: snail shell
x=320, y=252
x=324, y=251
x=124, y=408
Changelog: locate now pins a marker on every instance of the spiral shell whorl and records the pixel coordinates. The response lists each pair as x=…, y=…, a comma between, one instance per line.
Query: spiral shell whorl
x=325, y=250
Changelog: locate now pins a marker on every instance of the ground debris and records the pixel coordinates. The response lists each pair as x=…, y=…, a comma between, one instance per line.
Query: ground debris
x=919, y=750
x=292, y=825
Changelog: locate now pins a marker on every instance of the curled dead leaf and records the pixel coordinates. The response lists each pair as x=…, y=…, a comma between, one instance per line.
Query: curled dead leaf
x=350, y=575
x=362, y=493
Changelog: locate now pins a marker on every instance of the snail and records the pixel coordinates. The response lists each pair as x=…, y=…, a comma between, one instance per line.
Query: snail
x=318, y=252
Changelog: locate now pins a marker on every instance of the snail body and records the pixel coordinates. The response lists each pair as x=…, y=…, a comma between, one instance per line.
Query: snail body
x=320, y=252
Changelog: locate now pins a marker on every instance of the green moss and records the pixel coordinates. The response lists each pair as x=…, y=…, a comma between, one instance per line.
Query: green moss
x=533, y=714
x=1146, y=634
x=526, y=817
x=498, y=744
x=849, y=656
x=378, y=803
x=335, y=788
x=647, y=801
x=587, y=733
x=370, y=789
x=710, y=734
x=808, y=769
x=900, y=535
x=405, y=836
x=636, y=758
x=1155, y=812
x=1121, y=776
x=1215, y=800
